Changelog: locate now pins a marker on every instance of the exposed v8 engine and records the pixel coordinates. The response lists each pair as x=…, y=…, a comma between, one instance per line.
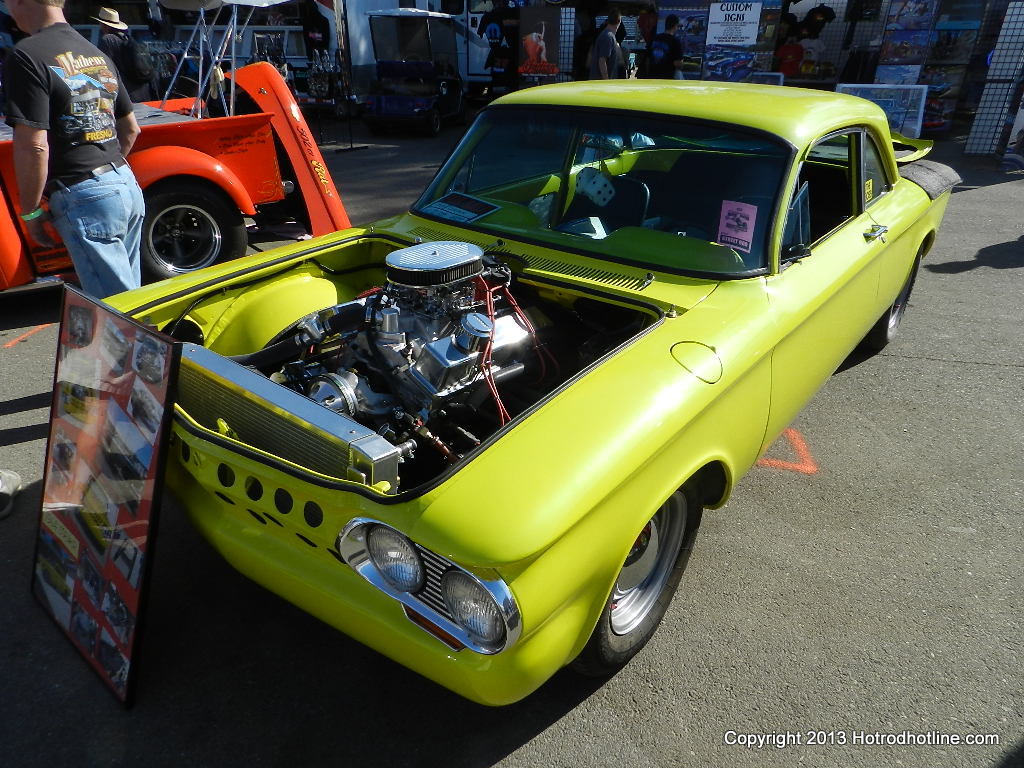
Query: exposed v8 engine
x=443, y=355
x=409, y=358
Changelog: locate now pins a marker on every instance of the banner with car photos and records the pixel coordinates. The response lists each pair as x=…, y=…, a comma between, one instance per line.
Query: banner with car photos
x=108, y=424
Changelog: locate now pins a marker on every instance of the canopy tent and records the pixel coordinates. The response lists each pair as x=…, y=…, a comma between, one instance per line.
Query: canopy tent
x=202, y=37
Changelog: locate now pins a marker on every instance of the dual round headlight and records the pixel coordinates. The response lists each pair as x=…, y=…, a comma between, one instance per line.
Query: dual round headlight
x=482, y=615
x=472, y=606
x=395, y=558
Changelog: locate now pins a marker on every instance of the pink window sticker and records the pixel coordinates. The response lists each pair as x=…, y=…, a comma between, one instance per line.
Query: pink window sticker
x=736, y=224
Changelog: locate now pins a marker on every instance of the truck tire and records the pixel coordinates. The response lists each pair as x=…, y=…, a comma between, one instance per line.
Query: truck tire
x=189, y=226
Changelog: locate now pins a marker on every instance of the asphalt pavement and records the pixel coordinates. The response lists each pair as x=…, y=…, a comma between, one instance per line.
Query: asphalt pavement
x=862, y=583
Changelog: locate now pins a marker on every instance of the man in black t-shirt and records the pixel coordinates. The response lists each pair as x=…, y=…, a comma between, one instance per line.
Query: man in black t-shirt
x=606, y=61
x=73, y=123
x=665, y=52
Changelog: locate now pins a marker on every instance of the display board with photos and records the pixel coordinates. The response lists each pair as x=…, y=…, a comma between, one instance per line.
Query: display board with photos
x=903, y=104
x=929, y=43
x=104, y=458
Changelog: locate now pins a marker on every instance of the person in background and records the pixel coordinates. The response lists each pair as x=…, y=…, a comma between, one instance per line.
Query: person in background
x=115, y=43
x=10, y=484
x=789, y=56
x=665, y=52
x=73, y=124
x=647, y=23
x=606, y=62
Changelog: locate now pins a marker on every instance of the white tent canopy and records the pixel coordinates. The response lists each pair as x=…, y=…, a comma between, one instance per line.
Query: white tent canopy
x=202, y=35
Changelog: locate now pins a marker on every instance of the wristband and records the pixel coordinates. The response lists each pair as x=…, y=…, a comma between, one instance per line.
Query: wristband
x=33, y=215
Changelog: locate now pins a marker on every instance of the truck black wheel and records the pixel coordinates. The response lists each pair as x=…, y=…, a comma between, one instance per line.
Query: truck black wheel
x=189, y=226
x=644, y=587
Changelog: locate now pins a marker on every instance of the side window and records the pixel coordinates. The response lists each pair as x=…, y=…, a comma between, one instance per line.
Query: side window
x=798, y=221
x=826, y=178
x=875, y=182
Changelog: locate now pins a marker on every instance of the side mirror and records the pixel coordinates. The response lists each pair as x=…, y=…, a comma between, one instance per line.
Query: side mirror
x=795, y=252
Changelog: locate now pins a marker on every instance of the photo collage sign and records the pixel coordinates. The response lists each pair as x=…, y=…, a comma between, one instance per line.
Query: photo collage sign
x=103, y=465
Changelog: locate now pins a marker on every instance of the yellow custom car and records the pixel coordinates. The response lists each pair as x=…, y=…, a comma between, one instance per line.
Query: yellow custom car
x=478, y=437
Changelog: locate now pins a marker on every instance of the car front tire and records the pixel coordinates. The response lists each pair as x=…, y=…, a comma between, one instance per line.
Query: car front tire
x=644, y=587
x=189, y=226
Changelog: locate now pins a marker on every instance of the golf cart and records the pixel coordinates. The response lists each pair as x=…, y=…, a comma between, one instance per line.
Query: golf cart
x=418, y=79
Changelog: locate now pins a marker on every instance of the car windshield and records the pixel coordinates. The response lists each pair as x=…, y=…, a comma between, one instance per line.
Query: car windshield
x=663, y=192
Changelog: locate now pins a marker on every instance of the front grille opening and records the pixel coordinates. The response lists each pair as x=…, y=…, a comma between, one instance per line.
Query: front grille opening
x=283, y=501
x=226, y=475
x=431, y=595
x=313, y=514
x=257, y=516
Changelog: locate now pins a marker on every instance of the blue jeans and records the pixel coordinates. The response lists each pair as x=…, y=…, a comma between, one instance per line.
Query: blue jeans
x=100, y=222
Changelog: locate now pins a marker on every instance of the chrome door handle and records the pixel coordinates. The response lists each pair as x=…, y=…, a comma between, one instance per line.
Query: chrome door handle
x=876, y=232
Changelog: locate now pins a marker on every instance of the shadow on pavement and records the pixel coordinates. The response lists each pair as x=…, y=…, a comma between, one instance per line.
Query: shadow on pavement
x=30, y=308
x=1008, y=255
x=1013, y=759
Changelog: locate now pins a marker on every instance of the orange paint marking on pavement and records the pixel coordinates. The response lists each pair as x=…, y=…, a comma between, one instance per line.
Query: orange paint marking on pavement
x=805, y=463
x=26, y=334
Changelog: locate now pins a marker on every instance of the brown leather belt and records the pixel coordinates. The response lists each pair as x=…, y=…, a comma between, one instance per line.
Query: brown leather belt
x=57, y=184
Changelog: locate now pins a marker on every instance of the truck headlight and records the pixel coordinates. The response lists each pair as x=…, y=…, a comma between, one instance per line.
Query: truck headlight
x=395, y=558
x=472, y=606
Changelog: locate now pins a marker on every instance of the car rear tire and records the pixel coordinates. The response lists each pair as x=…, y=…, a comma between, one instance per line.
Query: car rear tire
x=888, y=325
x=644, y=587
x=189, y=226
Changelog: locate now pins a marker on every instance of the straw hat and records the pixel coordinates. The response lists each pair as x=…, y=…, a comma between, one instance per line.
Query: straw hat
x=111, y=18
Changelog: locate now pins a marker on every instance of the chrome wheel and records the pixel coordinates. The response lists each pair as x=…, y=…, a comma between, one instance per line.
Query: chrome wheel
x=189, y=225
x=647, y=568
x=899, y=306
x=884, y=331
x=644, y=585
x=184, y=237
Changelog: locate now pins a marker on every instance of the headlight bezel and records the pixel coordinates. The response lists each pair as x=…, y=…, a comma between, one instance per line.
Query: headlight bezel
x=353, y=547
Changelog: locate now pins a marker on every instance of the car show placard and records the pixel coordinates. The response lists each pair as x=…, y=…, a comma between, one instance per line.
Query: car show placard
x=101, y=481
x=731, y=39
x=733, y=23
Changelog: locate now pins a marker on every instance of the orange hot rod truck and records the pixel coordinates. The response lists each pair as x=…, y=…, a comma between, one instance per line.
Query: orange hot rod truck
x=201, y=178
